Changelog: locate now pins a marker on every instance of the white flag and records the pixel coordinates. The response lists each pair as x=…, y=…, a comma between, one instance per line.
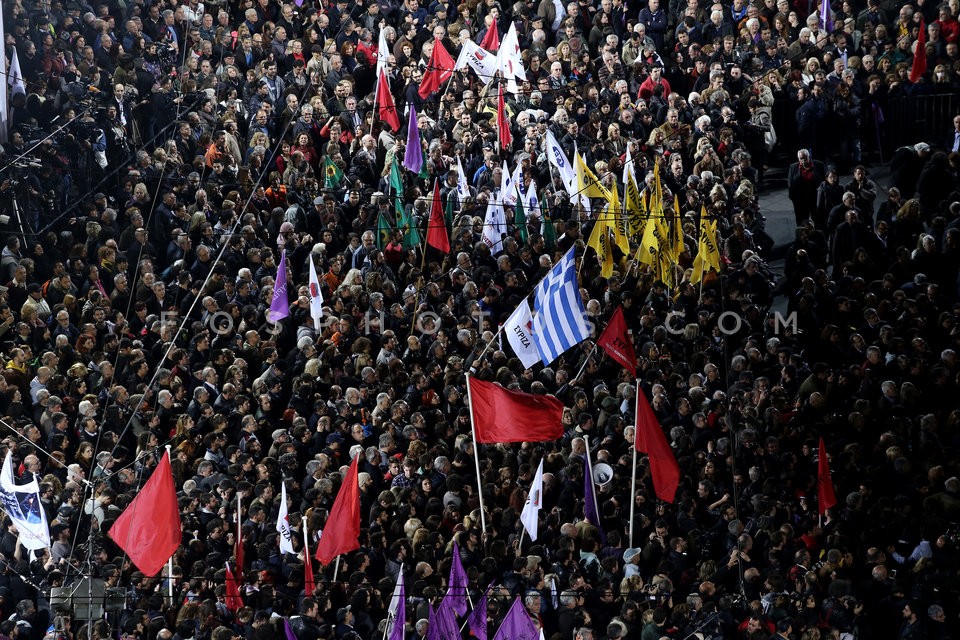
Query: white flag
x=509, y=62
x=316, y=297
x=530, y=516
x=22, y=504
x=508, y=194
x=463, y=189
x=283, y=526
x=558, y=159
x=15, y=75
x=494, y=227
x=483, y=63
x=397, y=597
x=519, y=330
x=383, y=52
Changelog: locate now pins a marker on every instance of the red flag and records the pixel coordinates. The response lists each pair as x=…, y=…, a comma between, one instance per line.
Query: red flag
x=825, y=496
x=920, y=55
x=238, y=553
x=386, y=108
x=439, y=70
x=503, y=121
x=232, y=599
x=616, y=341
x=437, y=228
x=343, y=526
x=500, y=415
x=309, y=584
x=149, y=529
x=649, y=439
x=491, y=39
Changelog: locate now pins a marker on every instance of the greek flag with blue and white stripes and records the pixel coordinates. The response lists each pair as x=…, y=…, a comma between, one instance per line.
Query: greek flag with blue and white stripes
x=559, y=323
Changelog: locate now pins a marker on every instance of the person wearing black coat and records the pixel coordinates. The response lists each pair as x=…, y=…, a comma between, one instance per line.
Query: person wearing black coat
x=906, y=165
x=803, y=179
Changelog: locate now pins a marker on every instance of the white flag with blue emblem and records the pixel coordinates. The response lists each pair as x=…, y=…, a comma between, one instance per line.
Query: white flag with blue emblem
x=559, y=323
x=559, y=159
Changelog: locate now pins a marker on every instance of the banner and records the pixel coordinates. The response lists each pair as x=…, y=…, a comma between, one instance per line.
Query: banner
x=22, y=504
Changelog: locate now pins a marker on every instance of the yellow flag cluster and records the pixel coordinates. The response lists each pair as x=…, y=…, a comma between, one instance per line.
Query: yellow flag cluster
x=708, y=251
x=611, y=227
x=655, y=247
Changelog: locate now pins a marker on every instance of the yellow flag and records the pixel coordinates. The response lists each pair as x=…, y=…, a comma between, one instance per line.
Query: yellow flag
x=676, y=231
x=600, y=241
x=617, y=221
x=708, y=252
x=633, y=201
x=587, y=182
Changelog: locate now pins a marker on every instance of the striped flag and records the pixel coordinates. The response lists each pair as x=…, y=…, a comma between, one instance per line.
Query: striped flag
x=559, y=323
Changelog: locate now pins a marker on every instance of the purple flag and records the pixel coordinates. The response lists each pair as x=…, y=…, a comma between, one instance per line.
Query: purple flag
x=478, y=618
x=517, y=625
x=447, y=620
x=400, y=619
x=590, y=499
x=433, y=625
x=288, y=631
x=826, y=16
x=280, y=305
x=413, y=156
x=457, y=585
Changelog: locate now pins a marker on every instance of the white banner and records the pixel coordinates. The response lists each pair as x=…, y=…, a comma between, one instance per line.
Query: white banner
x=519, y=330
x=483, y=63
x=22, y=504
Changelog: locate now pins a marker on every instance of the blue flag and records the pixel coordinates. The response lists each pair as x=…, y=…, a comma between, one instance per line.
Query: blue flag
x=413, y=156
x=280, y=304
x=559, y=323
x=590, y=498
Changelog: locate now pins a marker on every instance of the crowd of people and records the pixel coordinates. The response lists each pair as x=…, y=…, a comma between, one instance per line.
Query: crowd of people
x=163, y=156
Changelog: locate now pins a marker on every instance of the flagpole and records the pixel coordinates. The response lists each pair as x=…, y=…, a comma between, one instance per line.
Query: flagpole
x=585, y=361
x=633, y=477
x=170, y=559
x=476, y=458
x=587, y=469
x=306, y=545
x=336, y=569
x=239, y=523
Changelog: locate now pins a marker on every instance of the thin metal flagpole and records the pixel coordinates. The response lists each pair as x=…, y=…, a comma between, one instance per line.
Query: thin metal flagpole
x=585, y=361
x=633, y=478
x=476, y=459
x=336, y=569
x=170, y=559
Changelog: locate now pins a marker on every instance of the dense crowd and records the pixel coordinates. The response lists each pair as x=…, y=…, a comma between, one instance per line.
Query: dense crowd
x=162, y=156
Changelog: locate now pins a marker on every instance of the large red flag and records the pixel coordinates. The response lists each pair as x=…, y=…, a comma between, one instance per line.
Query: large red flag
x=500, y=415
x=149, y=529
x=386, y=109
x=615, y=340
x=920, y=55
x=825, y=495
x=491, y=39
x=343, y=525
x=437, y=227
x=503, y=121
x=439, y=69
x=650, y=440
x=232, y=599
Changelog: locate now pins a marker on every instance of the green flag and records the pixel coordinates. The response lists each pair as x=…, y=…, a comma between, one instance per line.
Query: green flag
x=547, y=229
x=332, y=175
x=520, y=219
x=384, y=231
x=396, y=183
x=411, y=235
